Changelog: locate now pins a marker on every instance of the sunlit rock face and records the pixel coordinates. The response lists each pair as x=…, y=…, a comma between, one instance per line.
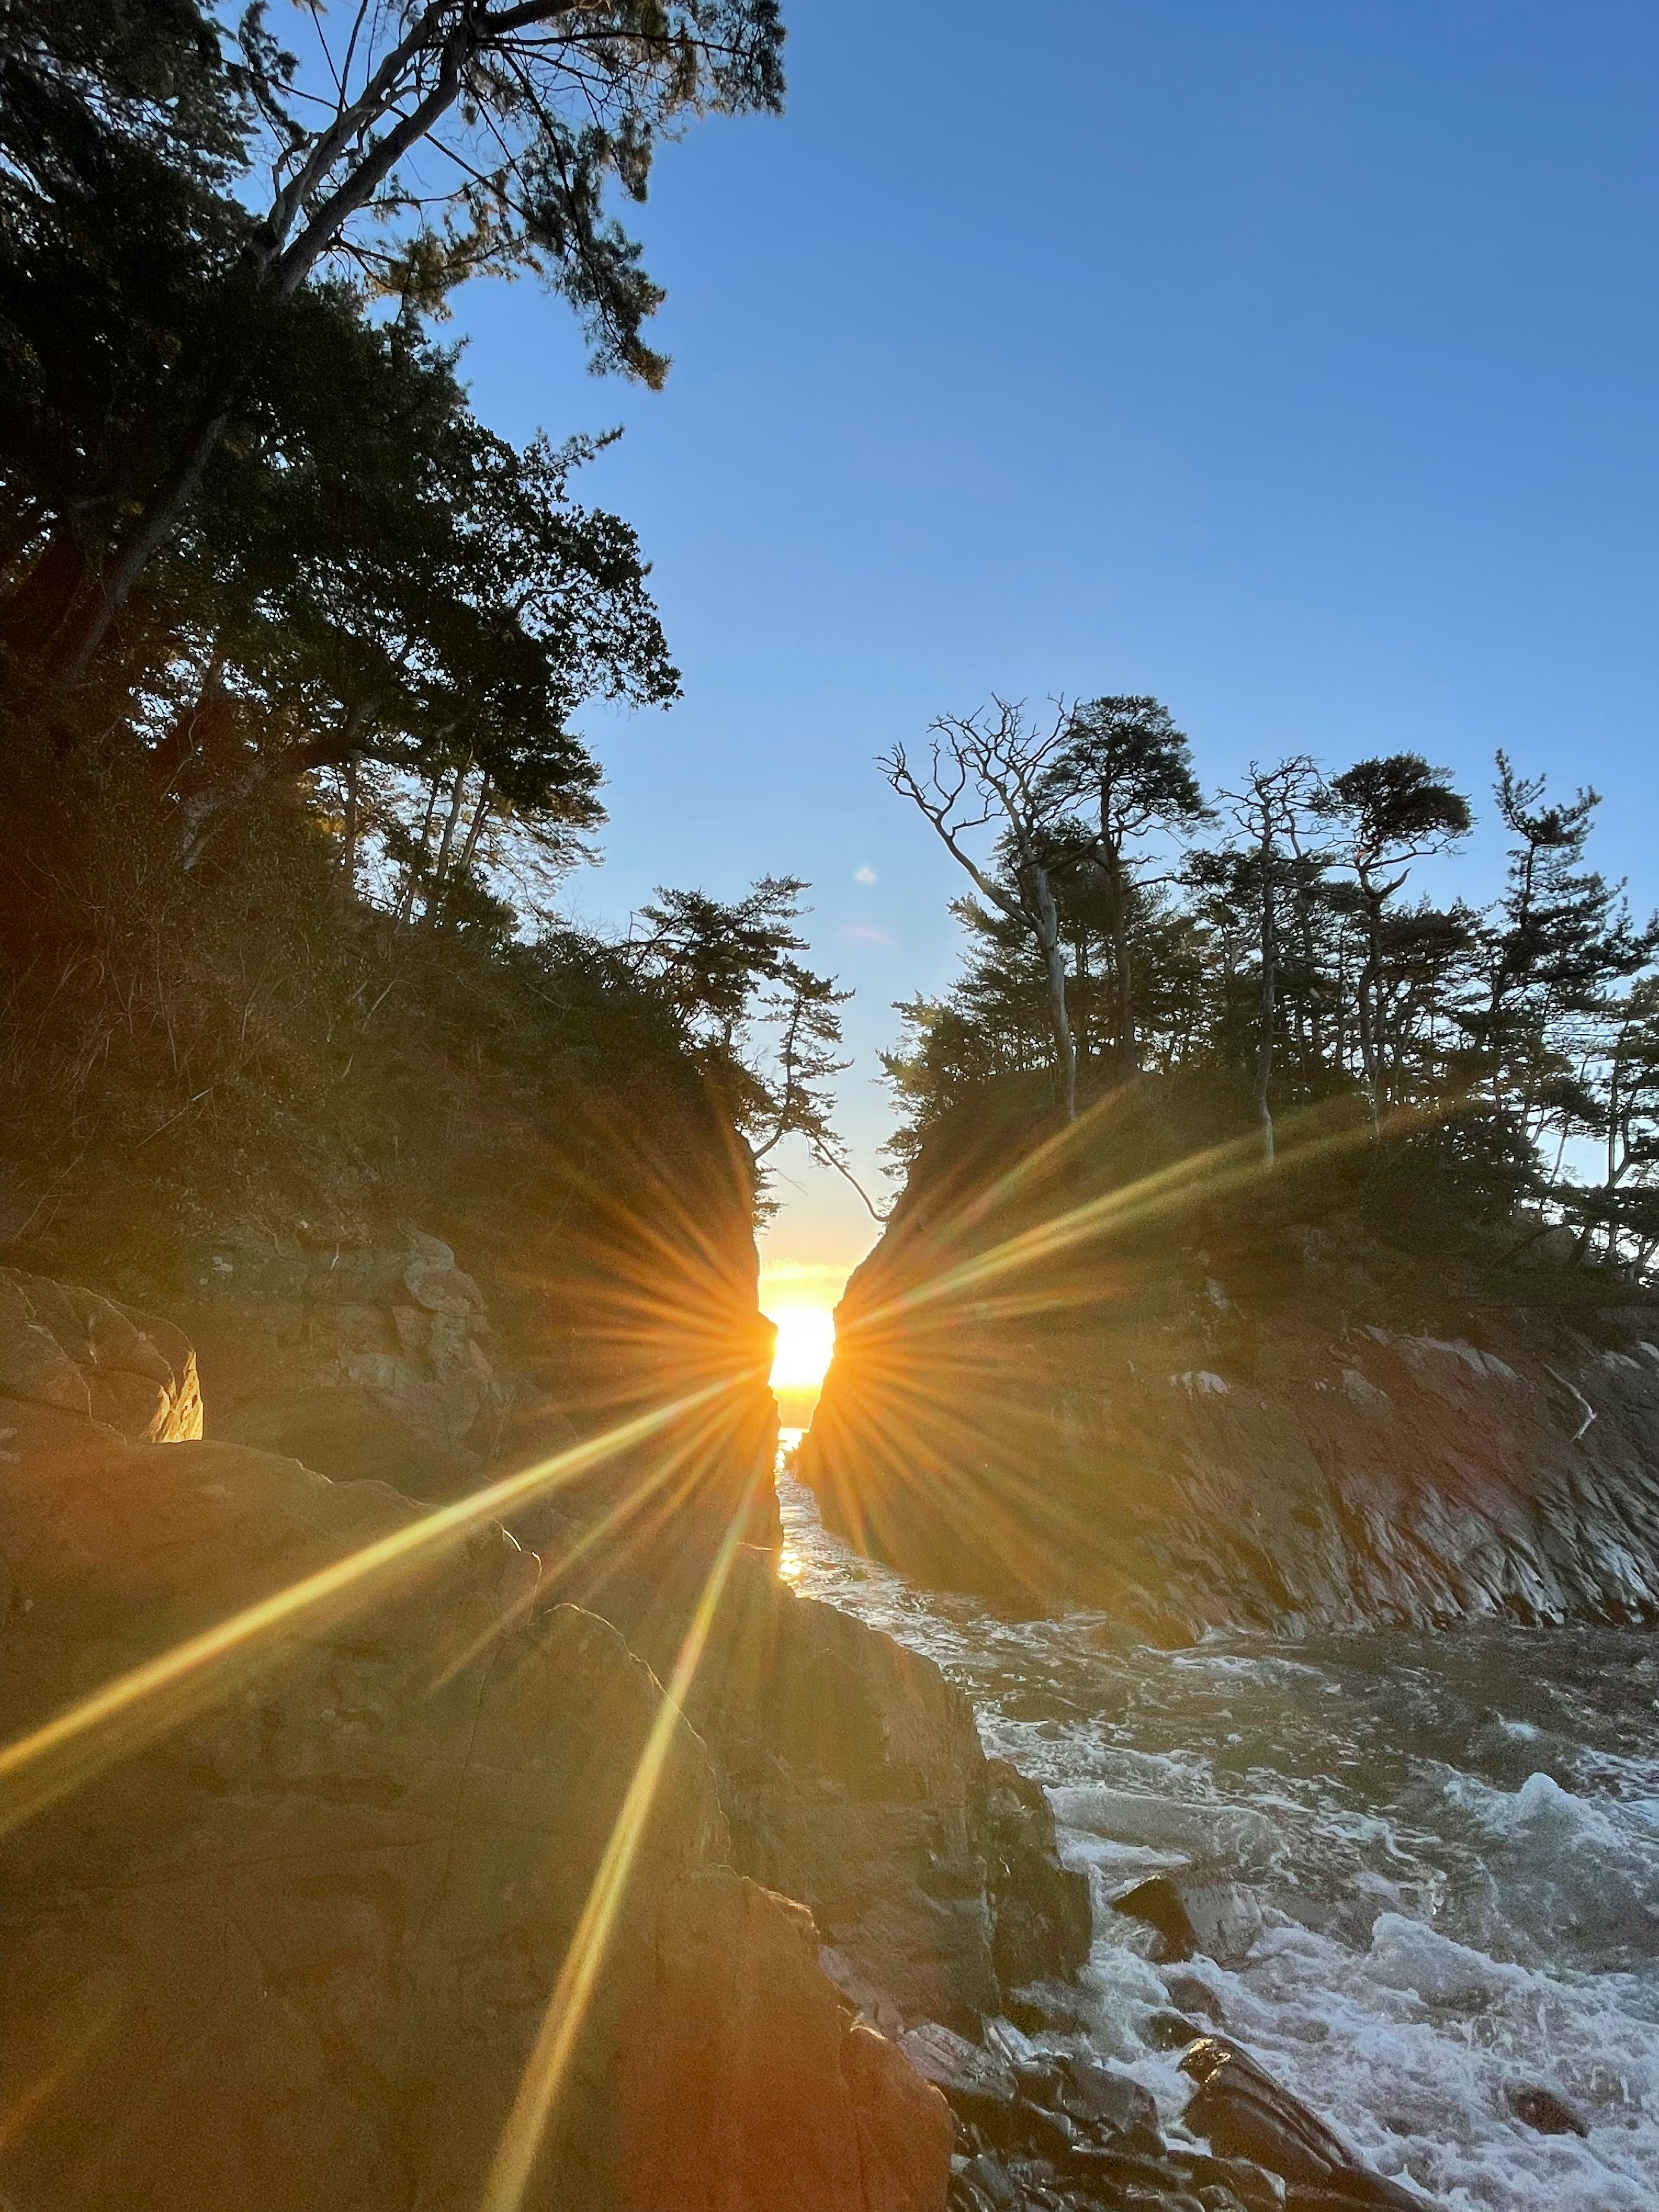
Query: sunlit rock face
x=294, y=1951
x=854, y=1779
x=67, y=1347
x=1194, y=1424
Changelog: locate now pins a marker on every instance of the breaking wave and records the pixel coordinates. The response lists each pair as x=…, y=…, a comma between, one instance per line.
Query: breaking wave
x=1454, y=1839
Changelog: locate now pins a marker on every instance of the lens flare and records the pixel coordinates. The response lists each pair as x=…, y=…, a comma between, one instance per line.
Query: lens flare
x=556, y=2041
x=139, y=1706
x=806, y=1342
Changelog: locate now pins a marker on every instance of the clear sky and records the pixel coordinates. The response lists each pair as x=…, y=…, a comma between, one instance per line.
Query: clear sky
x=1294, y=361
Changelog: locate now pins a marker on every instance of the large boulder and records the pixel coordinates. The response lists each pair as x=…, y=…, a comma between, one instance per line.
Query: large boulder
x=287, y=1936
x=853, y=1778
x=70, y=1348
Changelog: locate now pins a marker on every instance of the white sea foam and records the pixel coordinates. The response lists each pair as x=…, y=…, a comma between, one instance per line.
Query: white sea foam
x=1455, y=1841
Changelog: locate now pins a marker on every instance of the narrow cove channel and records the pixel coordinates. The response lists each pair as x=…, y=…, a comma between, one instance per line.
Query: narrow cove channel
x=1454, y=1839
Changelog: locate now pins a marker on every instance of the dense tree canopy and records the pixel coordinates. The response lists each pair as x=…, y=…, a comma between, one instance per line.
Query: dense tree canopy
x=171, y=189
x=1266, y=944
x=294, y=647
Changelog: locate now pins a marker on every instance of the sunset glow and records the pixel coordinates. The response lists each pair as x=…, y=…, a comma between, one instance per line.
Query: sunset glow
x=800, y=1296
x=807, y=1338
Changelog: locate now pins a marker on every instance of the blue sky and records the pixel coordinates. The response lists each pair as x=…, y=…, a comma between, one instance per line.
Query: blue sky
x=1294, y=361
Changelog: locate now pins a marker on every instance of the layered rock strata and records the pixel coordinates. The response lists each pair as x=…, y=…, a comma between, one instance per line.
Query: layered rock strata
x=1296, y=1466
x=286, y=1935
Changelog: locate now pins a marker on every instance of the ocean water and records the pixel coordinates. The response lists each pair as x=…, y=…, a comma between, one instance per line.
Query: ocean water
x=1454, y=1839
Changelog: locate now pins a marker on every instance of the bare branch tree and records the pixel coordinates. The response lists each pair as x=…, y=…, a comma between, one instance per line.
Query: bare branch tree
x=986, y=770
x=1271, y=807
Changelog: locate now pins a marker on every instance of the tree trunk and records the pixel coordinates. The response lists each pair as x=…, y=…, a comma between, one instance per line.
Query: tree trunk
x=475, y=827
x=1365, y=1009
x=109, y=586
x=348, y=840
x=405, y=909
x=1264, y=1042
x=441, y=866
x=1046, y=916
x=1123, y=1012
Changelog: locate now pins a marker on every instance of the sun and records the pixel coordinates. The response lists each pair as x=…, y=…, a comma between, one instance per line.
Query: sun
x=807, y=1338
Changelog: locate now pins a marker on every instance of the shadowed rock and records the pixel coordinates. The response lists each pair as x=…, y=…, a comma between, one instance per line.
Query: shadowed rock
x=1245, y=2113
x=293, y=1952
x=1193, y=1913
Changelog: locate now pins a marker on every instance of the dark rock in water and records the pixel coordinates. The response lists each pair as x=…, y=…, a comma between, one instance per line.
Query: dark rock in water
x=1044, y=1919
x=1057, y=2123
x=993, y=2181
x=978, y=2087
x=1194, y=1913
x=1108, y=2103
x=1039, y=2079
x=1239, y=2179
x=1244, y=2114
x=1549, y=2114
x=1038, y=2012
x=1046, y=2133
x=1112, y=2172
x=1353, y=2193
x=1170, y=2031
x=1195, y=1995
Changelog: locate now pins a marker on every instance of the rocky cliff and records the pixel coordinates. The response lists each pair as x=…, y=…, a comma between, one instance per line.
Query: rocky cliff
x=1200, y=1416
x=853, y=1778
x=284, y=1932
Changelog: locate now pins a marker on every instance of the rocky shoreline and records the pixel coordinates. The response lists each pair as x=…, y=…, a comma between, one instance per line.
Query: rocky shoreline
x=1297, y=1451
x=326, y=1899
x=291, y=1944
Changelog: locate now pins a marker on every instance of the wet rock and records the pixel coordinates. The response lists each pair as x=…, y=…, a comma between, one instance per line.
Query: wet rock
x=1043, y=1914
x=976, y=2086
x=1111, y=2172
x=993, y=2182
x=1244, y=2114
x=1044, y=2132
x=1106, y=2103
x=1069, y=2119
x=1351, y=2193
x=1195, y=1995
x=1170, y=2031
x=1248, y=2185
x=1195, y=1912
x=854, y=1777
x=1045, y=2010
x=1543, y=2110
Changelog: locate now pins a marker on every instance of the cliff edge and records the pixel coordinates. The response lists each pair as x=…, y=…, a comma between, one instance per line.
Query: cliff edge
x=1205, y=1399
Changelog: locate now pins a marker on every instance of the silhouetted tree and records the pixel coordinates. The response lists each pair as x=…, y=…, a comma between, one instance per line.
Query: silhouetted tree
x=990, y=770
